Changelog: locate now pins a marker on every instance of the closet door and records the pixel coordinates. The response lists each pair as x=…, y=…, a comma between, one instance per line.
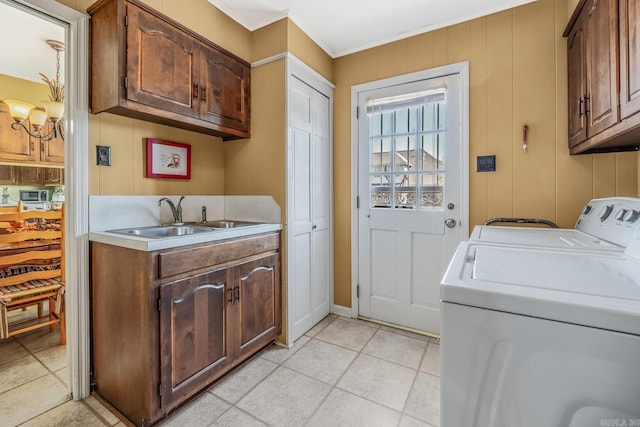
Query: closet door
x=309, y=207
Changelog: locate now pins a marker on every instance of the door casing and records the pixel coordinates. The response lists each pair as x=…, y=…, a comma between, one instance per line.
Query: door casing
x=461, y=68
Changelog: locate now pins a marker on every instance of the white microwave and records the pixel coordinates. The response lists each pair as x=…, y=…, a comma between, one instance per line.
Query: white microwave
x=34, y=195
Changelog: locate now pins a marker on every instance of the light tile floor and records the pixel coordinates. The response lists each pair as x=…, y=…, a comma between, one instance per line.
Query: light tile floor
x=343, y=372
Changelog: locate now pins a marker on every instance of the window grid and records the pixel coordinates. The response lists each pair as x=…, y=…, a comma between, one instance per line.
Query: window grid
x=407, y=157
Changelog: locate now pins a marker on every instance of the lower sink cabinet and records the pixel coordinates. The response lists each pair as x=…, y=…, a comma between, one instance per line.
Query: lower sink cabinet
x=158, y=341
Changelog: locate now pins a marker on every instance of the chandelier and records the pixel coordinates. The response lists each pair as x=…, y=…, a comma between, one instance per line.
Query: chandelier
x=53, y=108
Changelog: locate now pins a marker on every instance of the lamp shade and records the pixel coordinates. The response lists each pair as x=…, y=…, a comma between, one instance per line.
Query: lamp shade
x=37, y=118
x=54, y=109
x=19, y=110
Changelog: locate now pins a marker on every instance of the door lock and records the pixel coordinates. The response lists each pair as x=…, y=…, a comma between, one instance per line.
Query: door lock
x=451, y=206
x=450, y=222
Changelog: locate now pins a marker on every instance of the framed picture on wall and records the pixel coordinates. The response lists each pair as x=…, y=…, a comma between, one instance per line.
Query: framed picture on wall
x=167, y=159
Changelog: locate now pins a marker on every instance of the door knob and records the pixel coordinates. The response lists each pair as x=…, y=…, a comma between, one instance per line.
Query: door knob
x=450, y=222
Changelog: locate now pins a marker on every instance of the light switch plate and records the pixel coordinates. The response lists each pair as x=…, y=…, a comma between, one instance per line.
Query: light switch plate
x=486, y=163
x=103, y=155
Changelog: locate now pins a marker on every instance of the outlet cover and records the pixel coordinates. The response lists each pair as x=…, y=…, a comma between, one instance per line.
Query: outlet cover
x=486, y=164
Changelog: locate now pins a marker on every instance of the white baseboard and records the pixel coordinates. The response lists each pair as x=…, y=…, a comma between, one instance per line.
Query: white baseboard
x=340, y=310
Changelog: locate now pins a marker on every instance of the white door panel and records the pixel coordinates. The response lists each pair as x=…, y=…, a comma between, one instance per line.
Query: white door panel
x=309, y=183
x=410, y=172
x=301, y=285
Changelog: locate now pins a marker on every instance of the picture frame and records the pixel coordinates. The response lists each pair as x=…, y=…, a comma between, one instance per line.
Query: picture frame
x=168, y=159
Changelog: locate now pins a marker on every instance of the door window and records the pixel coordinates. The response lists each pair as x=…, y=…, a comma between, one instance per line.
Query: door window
x=406, y=141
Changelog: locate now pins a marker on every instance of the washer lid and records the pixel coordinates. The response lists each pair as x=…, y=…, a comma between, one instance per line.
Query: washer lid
x=598, y=290
x=560, y=238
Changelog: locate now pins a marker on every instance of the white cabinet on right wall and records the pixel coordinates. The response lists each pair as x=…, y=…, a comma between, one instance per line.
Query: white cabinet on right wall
x=309, y=200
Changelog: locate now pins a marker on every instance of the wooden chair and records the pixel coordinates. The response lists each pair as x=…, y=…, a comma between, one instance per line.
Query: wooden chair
x=32, y=270
x=17, y=208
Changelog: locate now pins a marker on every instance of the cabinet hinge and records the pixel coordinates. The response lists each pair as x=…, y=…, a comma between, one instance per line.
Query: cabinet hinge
x=126, y=20
x=126, y=82
x=357, y=202
x=159, y=304
x=357, y=291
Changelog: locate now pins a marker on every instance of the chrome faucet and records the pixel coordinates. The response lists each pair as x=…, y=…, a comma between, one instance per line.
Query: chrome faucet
x=176, y=211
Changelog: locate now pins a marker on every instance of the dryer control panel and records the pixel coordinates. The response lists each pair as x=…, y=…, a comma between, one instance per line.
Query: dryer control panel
x=614, y=219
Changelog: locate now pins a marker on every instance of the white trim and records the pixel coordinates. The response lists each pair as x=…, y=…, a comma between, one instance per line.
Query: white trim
x=295, y=68
x=461, y=68
x=341, y=310
x=76, y=191
x=269, y=60
x=306, y=72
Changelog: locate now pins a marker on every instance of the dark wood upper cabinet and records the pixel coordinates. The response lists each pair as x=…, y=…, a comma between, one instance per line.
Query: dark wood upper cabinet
x=603, y=77
x=602, y=65
x=629, y=57
x=577, y=84
x=147, y=66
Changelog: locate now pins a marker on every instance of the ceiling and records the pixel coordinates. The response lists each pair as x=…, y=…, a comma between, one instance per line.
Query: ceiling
x=24, y=51
x=342, y=27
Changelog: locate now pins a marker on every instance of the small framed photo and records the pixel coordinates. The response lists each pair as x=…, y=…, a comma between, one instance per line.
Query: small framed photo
x=103, y=155
x=167, y=159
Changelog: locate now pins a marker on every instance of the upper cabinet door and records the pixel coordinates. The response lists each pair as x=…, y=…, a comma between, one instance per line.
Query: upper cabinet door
x=52, y=151
x=160, y=64
x=15, y=145
x=602, y=63
x=224, y=92
x=577, y=83
x=629, y=57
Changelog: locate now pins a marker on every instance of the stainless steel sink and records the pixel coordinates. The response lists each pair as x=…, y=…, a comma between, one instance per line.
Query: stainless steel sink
x=230, y=224
x=158, y=232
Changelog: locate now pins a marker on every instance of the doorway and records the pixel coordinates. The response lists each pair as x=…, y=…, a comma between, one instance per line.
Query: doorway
x=412, y=186
x=75, y=177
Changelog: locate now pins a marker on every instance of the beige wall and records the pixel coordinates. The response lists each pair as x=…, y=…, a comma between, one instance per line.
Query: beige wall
x=23, y=90
x=517, y=76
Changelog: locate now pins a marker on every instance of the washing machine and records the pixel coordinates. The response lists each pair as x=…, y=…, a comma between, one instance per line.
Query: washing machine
x=536, y=335
x=606, y=224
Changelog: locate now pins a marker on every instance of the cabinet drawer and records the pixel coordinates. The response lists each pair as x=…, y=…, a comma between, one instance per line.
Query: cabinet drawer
x=175, y=262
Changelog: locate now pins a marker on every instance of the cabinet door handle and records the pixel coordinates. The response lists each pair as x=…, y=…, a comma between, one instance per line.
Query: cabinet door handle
x=587, y=102
x=203, y=94
x=230, y=295
x=581, y=107
x=237, y=293
x=195, y=90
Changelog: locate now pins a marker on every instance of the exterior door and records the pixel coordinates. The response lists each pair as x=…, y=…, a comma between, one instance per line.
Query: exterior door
x=410, y=178
x=309, y=205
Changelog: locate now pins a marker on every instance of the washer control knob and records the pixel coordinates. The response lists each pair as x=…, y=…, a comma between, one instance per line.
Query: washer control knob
x=620, y=214
x=605, y=212
x=586, y=210
x=631, y=215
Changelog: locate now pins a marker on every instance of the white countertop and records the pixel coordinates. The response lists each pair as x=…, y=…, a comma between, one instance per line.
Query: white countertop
x=154, y=244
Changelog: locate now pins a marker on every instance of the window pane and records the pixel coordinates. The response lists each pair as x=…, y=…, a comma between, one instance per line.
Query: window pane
x=375, y=124
x=405, y=192
x=431, y=191
x=433, y=151
x=404, y=159
x=387, y=123
x=380, y=191
x=380, y=154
